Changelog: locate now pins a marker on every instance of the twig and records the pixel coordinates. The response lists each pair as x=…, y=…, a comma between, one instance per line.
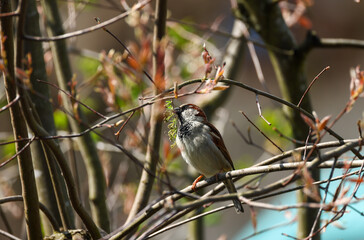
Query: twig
x=249, y=141
x=152, y=156
x=338, y=43
x=18, y=152
x=312, y=82
x=270, y=228
x=42, y=207
x=5, y=221
x=8, y=235
x=51, y=143
x=122, y=126
x=10, y=103
x=260, y=110
x=255, y=59
x=73, y=98
x=136, y=7
x=261, y=132
x=126, y=48
x=171, y=226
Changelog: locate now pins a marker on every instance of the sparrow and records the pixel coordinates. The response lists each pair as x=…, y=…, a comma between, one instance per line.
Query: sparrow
x=202, y=147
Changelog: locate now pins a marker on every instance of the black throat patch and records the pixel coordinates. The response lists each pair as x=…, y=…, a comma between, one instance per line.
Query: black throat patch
x=184, y=130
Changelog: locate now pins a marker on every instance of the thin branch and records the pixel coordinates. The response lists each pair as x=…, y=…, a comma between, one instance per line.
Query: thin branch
x=339, y=43
x=312, y=82
x=185, y=211
x=60, y=158
x=126, y=48
x=122, y=126
x=8, y=235
x=42, y=207
x=280, y=149
x=123, y=15
x=270, y=228
x=73, y=98
x=249, y=141
x=10, y=103
x=152, y=156
x=325, y=196
x=18, y=152
x=114, y=6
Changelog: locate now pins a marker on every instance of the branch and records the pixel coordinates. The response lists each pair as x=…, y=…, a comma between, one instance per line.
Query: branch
x=42, y=207
x=156, y=119
x=72, y=191
x=25, y=161
x=136, y=7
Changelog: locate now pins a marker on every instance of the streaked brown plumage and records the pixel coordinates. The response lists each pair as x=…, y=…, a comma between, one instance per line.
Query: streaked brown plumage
x=202, y=146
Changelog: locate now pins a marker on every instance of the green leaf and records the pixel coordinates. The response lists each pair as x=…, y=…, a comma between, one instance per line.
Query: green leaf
x=87, y=66
x=60, y=120
x=277, y=119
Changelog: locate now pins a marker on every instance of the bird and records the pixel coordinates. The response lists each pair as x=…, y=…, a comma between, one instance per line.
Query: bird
x=203, y=147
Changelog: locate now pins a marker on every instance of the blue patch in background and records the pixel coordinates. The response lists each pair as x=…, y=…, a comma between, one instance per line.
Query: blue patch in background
x=350, y=226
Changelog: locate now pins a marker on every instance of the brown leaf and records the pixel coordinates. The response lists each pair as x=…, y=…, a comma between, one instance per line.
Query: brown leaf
x=305, y=22
x=308, y=121
x=220, y=88
x=323, y=123
x=356, y=180
x=253, y=216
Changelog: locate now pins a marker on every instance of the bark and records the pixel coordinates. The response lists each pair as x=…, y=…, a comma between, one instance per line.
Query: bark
x=26, y=171
x=96, y=178
x=40, y=98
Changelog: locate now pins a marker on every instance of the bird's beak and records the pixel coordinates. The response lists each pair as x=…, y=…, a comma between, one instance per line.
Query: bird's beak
x=177, y=110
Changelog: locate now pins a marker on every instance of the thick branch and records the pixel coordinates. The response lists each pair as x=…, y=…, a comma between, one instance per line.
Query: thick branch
x=152, y=156
x=96, y=178
x=26, y=171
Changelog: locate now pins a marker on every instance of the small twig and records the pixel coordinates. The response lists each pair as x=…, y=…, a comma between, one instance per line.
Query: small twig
x=270, y=228
x=114, y=7
x=289, y=236
x=312, y=82
x=325, y=196
x=359, y=129
x=8, y=235
x=122, y=127
x=255, y=59
x=306, y=144
x=156, y=224
x=123, y=15
x=18, y=152
x=125, y=47
x=45, y=210
x=260, y=110
x=338, y=43
x=171, y=226
x=10, y=103
x=5, y=221
x=249, y=141
x=261, y=132
x=73, y=98
x=280, y=134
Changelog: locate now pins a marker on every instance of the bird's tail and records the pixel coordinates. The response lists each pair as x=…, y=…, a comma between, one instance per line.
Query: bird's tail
x=229, y=184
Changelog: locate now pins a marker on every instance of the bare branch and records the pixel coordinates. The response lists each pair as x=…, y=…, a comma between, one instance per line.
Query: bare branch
x=136, y=7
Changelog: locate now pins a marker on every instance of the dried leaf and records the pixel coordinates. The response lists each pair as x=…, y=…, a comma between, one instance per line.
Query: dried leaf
x=338, y=225
x=305, y=22
x=133, y=63
x=356, y=180
x=323, y=123
x=220, y=88
x=253, y=216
